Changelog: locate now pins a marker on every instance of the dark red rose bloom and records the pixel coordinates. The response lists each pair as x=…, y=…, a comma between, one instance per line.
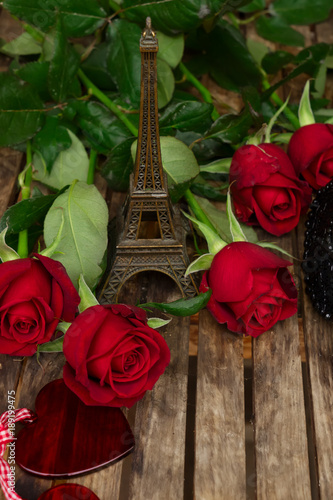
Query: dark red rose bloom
x=35, y=294
x=266, y=190
x=113, y=356
x=311, y=152
x=252, y=288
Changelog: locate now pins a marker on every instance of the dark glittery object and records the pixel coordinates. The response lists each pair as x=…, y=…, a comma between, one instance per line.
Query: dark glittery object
x=318, y=252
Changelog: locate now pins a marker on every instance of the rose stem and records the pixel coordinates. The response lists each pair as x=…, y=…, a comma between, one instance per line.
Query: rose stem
x=92, y=166
x=206, y=95
x=197, y=210
x=92, y=89
x=22, y=248
x=287, y=111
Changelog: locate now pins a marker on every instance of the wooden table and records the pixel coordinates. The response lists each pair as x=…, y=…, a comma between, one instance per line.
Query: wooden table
x=219, y=425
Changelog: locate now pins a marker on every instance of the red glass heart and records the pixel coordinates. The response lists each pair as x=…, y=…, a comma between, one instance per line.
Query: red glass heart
x=68, y=492
x=69, y=437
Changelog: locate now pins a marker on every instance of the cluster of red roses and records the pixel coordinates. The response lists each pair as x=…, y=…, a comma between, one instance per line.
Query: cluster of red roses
x=268, y=189
x=251, y=287
x=113, y=356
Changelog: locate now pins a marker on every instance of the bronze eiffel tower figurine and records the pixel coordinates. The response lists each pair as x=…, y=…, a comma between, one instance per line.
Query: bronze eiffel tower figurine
x=151, y=235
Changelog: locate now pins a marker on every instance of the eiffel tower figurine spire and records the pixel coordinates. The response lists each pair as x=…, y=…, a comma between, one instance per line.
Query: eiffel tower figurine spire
x=151, y=236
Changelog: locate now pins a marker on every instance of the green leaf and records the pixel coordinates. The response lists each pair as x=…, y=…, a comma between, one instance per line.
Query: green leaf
x=221, y=166
x=258, y=50
x=187, y=115
x=235, y=227
x=88, y=299
x=302, y=11
x=165, y=83
x=231, y=128
x=100, y=127
x=96, y=67
x=274, y=61
x=157, y=322
x=173, y=16
x=23, y=45
x=170, y=48
x=63, y=66
x=201, y=264
x=225, y=40
x=308, y=61
x=20, y=111
x=125, y=59
x=202, y=188
x=80, y=18
x=305, y=113
x=51, y=140
x=277, y=30
x=25, y=213
x=52, y=346
x=119, y=165
x=6, y=252
x=71, y=164
x=220, y=221
x=84, y=237
x=181, y=307
x=36, y=73
x=214, y=242
x=253, y=6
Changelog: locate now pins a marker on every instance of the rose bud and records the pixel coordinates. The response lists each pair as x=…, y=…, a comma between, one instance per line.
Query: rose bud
x=266, y=190
x=113, y=356
x=311, y=152
x=251, y=287
x=35, y=294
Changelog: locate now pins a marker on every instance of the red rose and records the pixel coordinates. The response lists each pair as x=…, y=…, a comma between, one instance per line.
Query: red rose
x=34, y=296
x=266, y=190
x=113, y=356
x=252, y=288
x=311, y=152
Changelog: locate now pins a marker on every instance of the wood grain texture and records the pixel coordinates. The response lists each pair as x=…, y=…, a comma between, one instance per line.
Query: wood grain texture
x=220, y=471
x=160, y=420
x=281, y=450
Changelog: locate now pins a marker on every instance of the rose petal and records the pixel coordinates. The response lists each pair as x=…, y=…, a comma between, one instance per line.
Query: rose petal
x=308, y=142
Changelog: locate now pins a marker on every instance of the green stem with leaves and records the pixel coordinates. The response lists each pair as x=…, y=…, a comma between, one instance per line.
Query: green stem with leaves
x=22, y=248
x=206, y=95
x=93, y=90
x=197, y=210
x=287, y=111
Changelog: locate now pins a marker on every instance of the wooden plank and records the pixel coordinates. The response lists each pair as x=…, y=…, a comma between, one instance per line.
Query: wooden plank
x=220, y=466
x=281, y=450
x=160, y=420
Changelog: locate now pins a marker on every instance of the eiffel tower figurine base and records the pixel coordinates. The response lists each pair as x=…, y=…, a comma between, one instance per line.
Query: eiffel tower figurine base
x=130, y=257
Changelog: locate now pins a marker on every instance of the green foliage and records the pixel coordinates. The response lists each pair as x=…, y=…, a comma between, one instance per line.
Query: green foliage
x=84, y=236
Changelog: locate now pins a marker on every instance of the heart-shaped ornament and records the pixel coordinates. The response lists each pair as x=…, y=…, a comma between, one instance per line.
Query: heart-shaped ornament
x=68, y=492
x=70, y=438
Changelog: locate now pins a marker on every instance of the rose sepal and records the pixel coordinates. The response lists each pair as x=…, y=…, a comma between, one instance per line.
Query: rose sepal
x=202, y=263
x=181, y=307
x=235, y=227
x=52, y=346
x=220, y=166
x=214, y=242
x=272, y=121
x=157, y=322
x=267, y=244
x=305, y=113
x=6, y=252
x=88, y=299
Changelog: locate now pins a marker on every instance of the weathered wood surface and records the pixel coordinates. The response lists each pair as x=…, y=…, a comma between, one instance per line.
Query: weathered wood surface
x=220, y=464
